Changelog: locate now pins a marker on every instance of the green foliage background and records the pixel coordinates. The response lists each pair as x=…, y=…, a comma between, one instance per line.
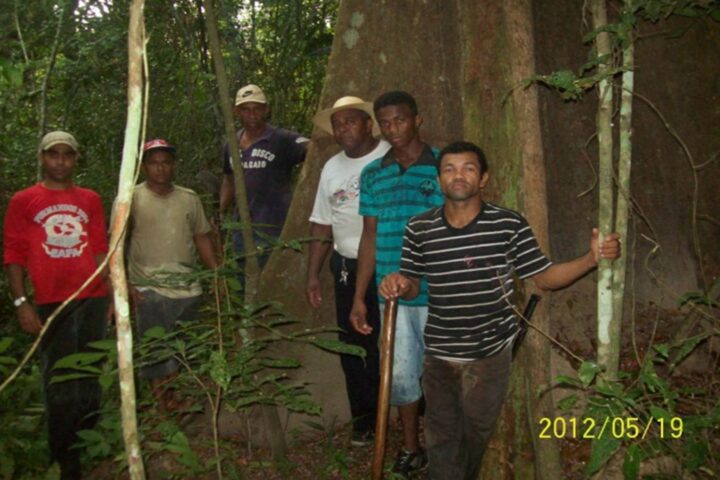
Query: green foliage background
x=280, y=45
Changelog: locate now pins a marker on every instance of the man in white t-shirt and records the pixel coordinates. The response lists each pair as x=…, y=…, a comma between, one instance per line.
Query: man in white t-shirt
x=336, y=223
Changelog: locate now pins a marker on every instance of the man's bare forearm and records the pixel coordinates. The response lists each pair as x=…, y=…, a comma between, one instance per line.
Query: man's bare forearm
x=206, y=252
x=319, y=248
x=16, y=279
x=561, y=275
x=366, y=257
x=227, y=193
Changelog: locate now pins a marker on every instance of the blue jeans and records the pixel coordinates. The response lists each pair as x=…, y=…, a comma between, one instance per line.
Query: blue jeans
x=408, y=354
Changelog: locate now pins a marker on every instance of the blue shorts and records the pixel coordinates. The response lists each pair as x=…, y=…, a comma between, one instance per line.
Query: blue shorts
x=408, y=354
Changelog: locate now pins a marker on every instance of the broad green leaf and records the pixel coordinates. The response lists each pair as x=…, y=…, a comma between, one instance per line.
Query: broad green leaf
x=154, y=333
x=687, y=347
x=106, y=380
x=108, y=345
x=5, y=343
x=587, y=372
x=662, y=349
x=71, y=376
x=631, y=464
x=602, y=450
x=339, y=347
x=79, y=361
x=567, y=380
x=567, y=403
x=7, y=360
x=658, y=412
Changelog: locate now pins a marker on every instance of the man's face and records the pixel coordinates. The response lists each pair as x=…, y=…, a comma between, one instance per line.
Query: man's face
x=460, y=176
x=351, y=128
x=159, y=167
x=252, y=114
x=398, y=125
x=58, y=162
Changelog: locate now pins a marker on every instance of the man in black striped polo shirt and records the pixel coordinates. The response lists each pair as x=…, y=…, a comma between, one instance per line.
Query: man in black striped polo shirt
x=470, y=251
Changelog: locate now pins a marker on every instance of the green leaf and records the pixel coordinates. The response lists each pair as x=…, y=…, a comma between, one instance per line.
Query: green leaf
x=106, y=380
x=5, y=343
x=234, y=284
x=71, y=376
x=109, y=345
x=602, y=450
x=567, y=380
x=7, y=360
x=153, y=333
x=587, y=372
x=688, y=346
x=79, y=361
x=698, y=452
x=280, y=363
x=219, y=369
x=662, y=349
x=91, y=436
x=658, y=412
x=631, y=464
x=337, y=346
x=567, y=403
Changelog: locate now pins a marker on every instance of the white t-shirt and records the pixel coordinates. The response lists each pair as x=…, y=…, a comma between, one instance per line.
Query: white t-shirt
x=338, y=198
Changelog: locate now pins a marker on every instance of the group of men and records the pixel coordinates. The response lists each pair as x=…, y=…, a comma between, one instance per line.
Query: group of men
x=411, y=219
x=401, y=218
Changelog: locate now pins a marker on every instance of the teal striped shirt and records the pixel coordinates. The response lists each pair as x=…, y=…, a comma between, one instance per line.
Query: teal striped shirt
x=393, y=195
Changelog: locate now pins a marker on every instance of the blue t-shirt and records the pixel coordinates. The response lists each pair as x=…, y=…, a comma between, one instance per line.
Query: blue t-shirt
x=393, y=195
x=267, y=165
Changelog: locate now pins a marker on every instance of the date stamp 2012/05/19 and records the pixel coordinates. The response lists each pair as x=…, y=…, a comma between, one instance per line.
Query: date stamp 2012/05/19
x=617, y=427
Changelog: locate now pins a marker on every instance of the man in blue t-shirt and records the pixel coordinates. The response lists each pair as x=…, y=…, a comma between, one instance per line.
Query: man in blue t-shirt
x=269, y=155
x=393, y=188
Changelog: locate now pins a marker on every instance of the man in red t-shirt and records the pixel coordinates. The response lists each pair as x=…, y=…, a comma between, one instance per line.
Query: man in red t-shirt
x=55, y=232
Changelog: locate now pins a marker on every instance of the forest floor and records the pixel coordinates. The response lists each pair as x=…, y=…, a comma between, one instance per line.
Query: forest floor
x=325, y=453
x=313, y=455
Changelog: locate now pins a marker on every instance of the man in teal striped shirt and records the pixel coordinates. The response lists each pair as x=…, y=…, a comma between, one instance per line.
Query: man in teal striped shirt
x=393, y=188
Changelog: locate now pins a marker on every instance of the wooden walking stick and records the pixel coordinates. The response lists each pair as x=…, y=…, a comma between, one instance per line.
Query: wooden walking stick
x=386, y=361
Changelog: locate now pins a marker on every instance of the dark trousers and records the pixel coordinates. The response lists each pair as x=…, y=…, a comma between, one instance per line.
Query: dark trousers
x=463, y=403
x=70, y=405
x=156, y=310
x=361, y=375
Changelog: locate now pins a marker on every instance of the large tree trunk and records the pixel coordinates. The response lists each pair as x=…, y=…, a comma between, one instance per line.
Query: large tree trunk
x=459, y=59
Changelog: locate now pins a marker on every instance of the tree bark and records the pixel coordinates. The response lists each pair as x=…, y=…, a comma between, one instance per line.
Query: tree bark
x=131, y=150
x=608, y=349
x=464, y=58
x=619, y=266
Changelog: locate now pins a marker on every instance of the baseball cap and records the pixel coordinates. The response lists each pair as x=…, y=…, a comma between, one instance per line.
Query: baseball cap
x=250, y=93
x=158, y=144
x=323, y=119
x=53, y=138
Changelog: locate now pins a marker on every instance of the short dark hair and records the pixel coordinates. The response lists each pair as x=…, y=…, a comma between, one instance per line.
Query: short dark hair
x=462, y=146
x=393, y=98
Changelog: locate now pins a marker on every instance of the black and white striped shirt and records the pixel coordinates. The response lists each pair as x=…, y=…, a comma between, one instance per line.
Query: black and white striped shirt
x=470, y=273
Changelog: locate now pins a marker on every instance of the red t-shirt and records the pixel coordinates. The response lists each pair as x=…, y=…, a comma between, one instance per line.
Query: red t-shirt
x=55, y=235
